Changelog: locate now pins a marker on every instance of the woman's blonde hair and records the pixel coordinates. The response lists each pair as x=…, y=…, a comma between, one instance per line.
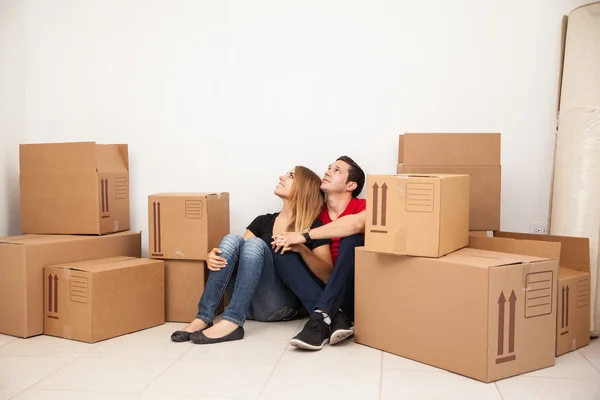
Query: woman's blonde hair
x=306, y=199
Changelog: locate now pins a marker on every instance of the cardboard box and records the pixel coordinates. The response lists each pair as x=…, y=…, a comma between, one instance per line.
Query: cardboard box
x=471, y=312
x=417, y=215
x=481, y=233
x=186, y=226
x=74, y=188
x=184, y=285
x=100, y=299
x=475, y=154
x=22, y=262
x=573, y=296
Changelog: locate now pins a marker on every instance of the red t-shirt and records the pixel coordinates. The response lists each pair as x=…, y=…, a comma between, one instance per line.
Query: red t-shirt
x=354, y=207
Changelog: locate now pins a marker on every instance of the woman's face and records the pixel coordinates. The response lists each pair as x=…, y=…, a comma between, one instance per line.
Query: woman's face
x=284, y=187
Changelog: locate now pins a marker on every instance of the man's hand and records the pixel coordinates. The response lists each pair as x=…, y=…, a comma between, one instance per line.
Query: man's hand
x=214, y=262
x=287, y=241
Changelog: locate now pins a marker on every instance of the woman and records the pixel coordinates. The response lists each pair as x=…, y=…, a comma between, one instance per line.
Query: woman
x=244, y=265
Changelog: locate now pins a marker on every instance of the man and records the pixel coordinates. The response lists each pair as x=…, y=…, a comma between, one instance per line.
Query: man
x=343, y=217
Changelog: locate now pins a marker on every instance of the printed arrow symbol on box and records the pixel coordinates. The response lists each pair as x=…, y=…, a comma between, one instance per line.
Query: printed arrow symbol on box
x=375, y=202
x=50, y=293
x=155, y=227
x=567, y=309
x=159, y=230
x=55, y=293
x=501, y=303
x=383, y=203
x=511, y=323
x=562, y=315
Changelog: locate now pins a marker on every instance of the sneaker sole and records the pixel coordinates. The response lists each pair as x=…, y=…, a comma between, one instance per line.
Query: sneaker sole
x=340, y=335
x=305, y=346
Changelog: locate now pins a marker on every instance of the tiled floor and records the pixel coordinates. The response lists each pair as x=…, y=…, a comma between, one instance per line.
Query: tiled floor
x=147, y=365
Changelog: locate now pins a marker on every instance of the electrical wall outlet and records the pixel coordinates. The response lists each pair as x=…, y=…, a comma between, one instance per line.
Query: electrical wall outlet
x=540, y=228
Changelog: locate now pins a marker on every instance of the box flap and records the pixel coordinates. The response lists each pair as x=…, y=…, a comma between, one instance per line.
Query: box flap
x=437, y=176
x=566, y=273
x=32, y=240
x=197, y=194
x=106, y=264
x=539, y=249
x=574, y=251
x=109, y=158
x=488, y=259
x=57, y=158
x=450, y=149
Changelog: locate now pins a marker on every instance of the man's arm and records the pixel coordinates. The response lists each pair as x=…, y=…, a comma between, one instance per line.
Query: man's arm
x=345, y=226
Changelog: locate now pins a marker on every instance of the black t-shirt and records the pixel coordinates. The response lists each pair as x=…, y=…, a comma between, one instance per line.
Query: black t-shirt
x=262, y=227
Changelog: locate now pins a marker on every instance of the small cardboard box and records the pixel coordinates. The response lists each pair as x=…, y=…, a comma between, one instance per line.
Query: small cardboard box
x=184, y=284
x=417, y=215
x=573, y=297
x=474, y=154
x=472, y=312
x=186, y=226
x=22, y=262
x=100, y=299
x=74, y=188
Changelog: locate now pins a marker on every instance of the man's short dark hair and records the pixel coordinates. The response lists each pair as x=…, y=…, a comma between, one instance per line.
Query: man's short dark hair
x=355, y=174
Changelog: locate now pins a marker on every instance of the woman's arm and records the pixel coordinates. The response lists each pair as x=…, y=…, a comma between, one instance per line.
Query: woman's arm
x=248, y=235
x=319, y=260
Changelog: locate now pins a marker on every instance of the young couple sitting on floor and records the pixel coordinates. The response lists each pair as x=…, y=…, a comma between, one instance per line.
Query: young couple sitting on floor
x=300, y=256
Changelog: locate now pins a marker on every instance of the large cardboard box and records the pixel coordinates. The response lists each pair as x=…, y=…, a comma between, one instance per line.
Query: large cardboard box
x=573, y=296
x=22, y=262
x=475, y=154
x=186, y=226
x=100, y=299
x=417, y=215
x=475, y=312
x=74, y=188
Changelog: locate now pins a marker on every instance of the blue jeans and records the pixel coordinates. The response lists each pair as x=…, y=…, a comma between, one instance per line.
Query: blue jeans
x=337, y=294
x=252, y=284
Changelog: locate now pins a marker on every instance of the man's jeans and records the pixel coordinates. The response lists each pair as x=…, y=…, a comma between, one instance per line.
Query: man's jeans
x=314, y=294
x=252, y=284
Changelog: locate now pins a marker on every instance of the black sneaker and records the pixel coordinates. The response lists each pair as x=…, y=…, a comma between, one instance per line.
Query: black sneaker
x=314, y=335
x=341, y=328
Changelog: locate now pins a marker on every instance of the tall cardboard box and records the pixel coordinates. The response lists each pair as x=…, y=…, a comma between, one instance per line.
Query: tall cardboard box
x=186, y=226
x=417, y=215
x=100, y=299
x=573, y=296
x=472, y=312
x=184, y=284
x=74, y=188
x=22, y=262
x=475, y=154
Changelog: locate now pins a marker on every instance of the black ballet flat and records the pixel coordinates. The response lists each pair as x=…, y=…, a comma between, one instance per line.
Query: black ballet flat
x=183, y=336
x=200, y=338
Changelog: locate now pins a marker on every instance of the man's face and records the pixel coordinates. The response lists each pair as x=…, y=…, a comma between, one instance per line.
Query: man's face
x=336, y=177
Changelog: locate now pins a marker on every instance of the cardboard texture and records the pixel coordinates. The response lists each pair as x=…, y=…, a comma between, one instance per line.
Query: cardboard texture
x=484, y=213
x=573, y=296
x=22, y=262
x=481, y=233
x=74, y=188
x=186, y=226
x=482, y=314
x=184, y=284
x=417, y=215
x=94, y=300
x=475, y=154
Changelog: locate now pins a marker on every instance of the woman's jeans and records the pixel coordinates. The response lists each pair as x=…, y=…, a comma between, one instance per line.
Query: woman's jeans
x=251, y=282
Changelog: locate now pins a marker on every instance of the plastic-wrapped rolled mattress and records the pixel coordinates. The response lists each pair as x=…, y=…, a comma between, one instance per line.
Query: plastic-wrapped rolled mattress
x=576, y=188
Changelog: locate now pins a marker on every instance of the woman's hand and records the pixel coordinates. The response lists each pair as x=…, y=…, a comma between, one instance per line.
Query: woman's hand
x=214, y=262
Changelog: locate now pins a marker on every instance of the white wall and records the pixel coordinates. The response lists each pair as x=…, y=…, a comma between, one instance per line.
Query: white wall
x=12, y=110
x=227, y=95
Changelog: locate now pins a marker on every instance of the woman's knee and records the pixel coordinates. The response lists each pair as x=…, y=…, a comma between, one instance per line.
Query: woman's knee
x=254, y=248
x=352, y=241
x=231, y=243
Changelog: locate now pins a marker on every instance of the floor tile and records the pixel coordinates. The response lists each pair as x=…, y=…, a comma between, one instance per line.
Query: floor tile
x=345, y=353
x=105, y=375
x=4, y=339
x=535, y=388
x=571, y=365
x=593, y=347
x=46, y=346
x=199, y=396
x=594, y=359
x=6, y=394
x=345, y=381
x=73, y=395
x=273, y=330
x=20, y=372
x=210, y=380
x=434, y=385
x=391, y=361
x=245, y=351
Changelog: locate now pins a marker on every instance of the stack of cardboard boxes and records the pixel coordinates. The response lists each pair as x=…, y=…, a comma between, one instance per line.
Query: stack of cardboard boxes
x=483, y=307
x=77, y=272
x=183, y=228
